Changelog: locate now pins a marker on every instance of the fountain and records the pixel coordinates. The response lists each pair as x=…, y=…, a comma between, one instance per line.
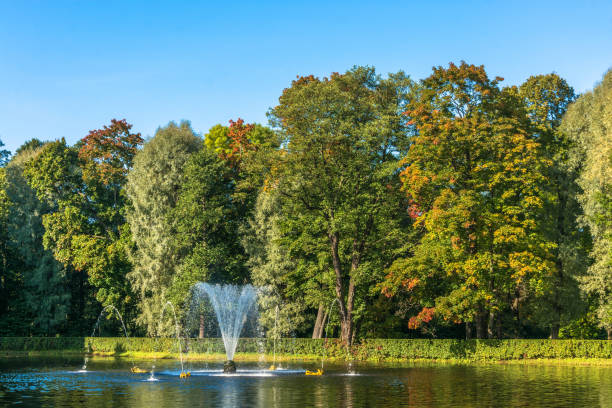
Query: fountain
x=97, y=326
x=273, y=366
x=177, y=332
x=350, y=369
x=329, y=317
x=232, y=304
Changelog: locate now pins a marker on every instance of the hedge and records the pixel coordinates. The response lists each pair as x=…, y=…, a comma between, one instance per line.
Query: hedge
x=377, y=349
x=214, y=345
x=151, y=345
x=368, y=349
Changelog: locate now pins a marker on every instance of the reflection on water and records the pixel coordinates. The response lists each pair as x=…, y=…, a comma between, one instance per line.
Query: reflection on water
x=108, y=383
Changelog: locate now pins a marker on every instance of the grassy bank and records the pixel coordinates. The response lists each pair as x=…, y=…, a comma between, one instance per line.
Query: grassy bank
x=573, y=351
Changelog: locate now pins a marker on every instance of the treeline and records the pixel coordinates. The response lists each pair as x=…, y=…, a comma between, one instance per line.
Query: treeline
x=371, y=207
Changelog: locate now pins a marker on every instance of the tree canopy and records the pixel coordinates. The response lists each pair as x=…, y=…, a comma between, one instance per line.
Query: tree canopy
x=343, y=137
x=371, y=206
x=588, y=123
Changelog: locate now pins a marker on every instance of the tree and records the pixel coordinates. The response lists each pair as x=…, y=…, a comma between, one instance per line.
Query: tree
x=338, y=172
x=153, y=189
x=31, y=144
x=10, y=280
x=588, y=123
x=473, y=178
x=233, y=142
x=217, y=139
x=206, y=232
x=43, y=303
x=244, y=148
x=4, y=155
x=546, y=98
x=286, y=293
x=87, y=230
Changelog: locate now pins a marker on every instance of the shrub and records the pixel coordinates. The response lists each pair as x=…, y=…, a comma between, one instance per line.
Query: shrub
x=368, y=349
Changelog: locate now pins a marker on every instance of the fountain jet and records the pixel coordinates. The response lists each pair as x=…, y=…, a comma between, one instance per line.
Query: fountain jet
x=232, y=304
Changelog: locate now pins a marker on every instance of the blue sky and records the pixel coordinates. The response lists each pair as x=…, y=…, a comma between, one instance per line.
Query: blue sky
x=70, y=66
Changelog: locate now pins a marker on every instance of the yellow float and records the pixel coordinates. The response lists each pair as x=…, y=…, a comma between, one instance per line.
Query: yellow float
x=137, y=370
x=184, y=374
x=318, y=372
x=272, y=367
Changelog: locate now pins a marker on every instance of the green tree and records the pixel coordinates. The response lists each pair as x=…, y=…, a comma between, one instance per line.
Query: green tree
x=588, y=123
x=546, y=98
x=44, y=301
x=87, y=230
x=286, y=292
x=11, y=290
x=245, y=150
x=338, y=171
x=473, y=177
x=206, y=232
x=217, y=139
x=4, y=155
x=230, y=143
x=31, y=144
x=153, y=188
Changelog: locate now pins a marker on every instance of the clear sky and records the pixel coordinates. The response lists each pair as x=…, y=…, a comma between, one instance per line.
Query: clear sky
x=70, y=66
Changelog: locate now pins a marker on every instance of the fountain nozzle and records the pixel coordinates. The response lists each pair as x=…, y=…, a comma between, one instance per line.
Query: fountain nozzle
x=229, y=366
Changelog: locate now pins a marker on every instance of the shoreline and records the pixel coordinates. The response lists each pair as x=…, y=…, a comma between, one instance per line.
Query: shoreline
x=268, y=358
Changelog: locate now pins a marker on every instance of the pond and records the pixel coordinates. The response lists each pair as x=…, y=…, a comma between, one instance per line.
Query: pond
x=108, y=382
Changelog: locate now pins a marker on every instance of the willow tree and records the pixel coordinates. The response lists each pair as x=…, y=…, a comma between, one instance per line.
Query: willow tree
x=153, y=187
x=588, y=123
x=338, y=173
x=474, y=179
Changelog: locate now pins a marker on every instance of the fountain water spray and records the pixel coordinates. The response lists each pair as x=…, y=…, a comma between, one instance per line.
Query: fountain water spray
x=273, y=367
x=350, y=370
x=232, y=304
x=329, y=316
x=176, y=329
x=97, y=326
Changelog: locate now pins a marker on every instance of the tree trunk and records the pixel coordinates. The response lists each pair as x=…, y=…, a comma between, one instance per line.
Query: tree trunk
x=347, y=323
x=201, y=334
x=355, y=330
x=318, y=327
x=610, y=333
x=324, y=323
x=346, y=309
x=517, y=315
x=480, y=329
x=468, y=330
x=490, y=325
x=499, y=327
x=554, y=331
x=345, y=318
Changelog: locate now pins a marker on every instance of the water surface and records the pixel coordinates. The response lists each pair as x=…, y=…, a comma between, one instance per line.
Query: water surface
x=108, y=382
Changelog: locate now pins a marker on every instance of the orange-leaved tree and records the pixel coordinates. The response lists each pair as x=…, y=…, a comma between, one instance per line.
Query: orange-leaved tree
x=474, y=178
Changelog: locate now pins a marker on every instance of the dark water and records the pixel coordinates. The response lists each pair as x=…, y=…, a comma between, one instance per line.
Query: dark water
x=109, y=383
